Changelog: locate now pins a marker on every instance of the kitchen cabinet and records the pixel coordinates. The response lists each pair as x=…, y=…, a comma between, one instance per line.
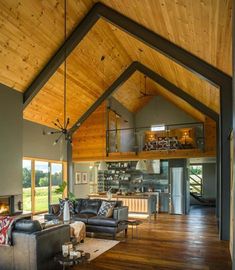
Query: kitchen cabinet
x=163, y=202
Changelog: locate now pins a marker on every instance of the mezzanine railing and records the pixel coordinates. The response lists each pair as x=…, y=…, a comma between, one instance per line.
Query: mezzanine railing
x=170, y=138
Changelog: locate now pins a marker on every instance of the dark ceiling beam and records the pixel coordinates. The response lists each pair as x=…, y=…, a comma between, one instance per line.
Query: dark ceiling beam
x=164, y=46
x=108, y=92
x=178, y=92
x=155, y=41
x=137, y=66
x=70, y=44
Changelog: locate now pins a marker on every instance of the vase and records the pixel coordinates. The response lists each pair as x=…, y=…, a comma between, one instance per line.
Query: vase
x=109, y=196
x=66, y=213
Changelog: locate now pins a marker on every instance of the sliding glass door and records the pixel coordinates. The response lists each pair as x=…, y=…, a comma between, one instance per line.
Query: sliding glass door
x=56, y=180
x=40, y=181
x=41, y=186
x=27, y=185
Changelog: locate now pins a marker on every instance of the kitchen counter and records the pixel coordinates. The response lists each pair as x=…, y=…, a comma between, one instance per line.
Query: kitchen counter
x=137, y=203
x=138, y=195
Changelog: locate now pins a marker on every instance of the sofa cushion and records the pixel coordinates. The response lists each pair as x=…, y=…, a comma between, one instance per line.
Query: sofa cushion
x=55, y=209
x=90, y=206
x=106, y=209
x=102, y=221
x=82, y=217
x=28, y=226
x=77, y=205
x=71, y=206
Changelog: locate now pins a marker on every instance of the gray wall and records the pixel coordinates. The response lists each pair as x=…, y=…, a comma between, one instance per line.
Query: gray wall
x=119, y=108
x=160, y=111
x=37, y=145
x=209, y=180
x=127, y=136
x=82, y=190
x=11, y=141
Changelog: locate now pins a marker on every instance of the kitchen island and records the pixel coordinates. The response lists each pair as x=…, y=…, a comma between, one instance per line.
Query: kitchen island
x=137, y=203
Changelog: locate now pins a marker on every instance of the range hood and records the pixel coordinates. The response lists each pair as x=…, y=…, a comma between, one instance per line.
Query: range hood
x=153, y=166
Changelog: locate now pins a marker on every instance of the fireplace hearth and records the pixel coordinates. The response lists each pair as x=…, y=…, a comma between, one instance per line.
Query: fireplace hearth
x=6, y=205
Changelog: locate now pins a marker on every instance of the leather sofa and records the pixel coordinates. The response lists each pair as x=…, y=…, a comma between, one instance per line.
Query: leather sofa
x=33, y=248
x=86, y=210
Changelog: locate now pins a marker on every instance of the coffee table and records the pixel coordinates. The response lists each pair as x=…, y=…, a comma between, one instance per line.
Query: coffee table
x=67, y=261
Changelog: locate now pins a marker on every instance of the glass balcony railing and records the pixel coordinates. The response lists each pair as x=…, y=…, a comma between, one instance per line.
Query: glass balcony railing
x=156, y=138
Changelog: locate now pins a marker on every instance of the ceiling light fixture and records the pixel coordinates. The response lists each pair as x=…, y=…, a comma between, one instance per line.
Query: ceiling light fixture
x=62, y=128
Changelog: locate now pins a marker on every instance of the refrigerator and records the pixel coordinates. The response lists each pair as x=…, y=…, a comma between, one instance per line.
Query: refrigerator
x=176, y=189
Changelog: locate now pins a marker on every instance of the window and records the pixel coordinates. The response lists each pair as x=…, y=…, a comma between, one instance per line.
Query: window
x=195, y=178
x=27, y=185
x=40, y=180
x=158, y=127
x=56, y=180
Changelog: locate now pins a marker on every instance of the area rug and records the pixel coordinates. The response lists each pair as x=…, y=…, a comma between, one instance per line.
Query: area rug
x=96, y=246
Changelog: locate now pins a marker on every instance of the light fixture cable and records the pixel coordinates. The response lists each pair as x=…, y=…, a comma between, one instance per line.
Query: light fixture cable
x=63, y=128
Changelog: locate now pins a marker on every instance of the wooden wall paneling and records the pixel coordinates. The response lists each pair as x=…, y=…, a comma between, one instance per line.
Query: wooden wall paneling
x=210, y=135
x=84, y=144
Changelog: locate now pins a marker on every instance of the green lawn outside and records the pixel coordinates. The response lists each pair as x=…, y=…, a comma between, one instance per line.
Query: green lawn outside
x=41, y=198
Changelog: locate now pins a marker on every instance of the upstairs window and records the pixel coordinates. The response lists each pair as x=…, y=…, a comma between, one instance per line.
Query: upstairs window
x=158, y=128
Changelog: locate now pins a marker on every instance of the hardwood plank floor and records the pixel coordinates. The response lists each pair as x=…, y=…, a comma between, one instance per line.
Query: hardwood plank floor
x=169, y=242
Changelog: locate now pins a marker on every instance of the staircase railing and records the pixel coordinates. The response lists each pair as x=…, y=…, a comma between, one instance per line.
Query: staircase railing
x=196, y=182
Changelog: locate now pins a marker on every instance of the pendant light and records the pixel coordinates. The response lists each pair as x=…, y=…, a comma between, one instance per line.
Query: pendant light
x=102, y=166
x=62, y=128
x=141, y=165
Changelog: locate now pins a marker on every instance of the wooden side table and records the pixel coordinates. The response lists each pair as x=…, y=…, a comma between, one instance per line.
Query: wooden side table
x=132, y=223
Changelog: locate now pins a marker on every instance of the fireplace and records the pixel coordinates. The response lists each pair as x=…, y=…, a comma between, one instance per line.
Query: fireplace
x=6, y=205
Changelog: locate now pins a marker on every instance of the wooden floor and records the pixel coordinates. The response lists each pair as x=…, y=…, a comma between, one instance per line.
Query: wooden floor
x=170, y=242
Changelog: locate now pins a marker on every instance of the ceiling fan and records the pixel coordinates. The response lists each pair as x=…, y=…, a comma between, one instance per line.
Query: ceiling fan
x=144, y=93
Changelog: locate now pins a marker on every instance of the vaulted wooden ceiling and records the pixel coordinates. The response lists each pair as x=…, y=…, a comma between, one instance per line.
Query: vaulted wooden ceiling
x=32, y=31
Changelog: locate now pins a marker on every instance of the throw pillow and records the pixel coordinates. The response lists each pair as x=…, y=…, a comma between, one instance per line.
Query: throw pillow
x=71, y=206
x=106, y=209
x=55, y=209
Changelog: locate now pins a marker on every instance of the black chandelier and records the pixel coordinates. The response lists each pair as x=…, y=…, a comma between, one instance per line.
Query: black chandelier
x=62, y=128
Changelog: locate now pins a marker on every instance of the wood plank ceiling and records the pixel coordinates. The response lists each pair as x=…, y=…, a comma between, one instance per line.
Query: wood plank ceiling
x=31, y=32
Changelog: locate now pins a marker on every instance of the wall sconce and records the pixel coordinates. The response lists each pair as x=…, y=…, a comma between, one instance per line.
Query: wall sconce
x=186, y=139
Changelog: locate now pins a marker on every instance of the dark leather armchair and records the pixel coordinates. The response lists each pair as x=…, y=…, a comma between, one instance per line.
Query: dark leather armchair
x=33, y=248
